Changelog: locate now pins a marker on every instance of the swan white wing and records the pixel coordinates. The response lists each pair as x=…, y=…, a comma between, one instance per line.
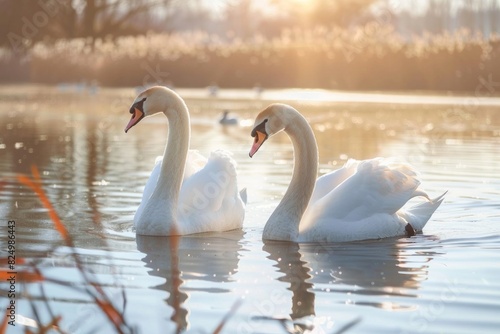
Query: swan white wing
x=378, y=225
x=389, y=185
x=327, y=182
x=377, y=187
x=209, y=199
x=194, y=162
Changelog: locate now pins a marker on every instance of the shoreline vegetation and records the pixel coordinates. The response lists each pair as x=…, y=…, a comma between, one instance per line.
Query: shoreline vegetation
x=371, y=57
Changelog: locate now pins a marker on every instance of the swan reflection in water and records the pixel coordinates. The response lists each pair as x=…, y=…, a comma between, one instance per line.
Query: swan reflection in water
x=354, y=273
x=197, y=257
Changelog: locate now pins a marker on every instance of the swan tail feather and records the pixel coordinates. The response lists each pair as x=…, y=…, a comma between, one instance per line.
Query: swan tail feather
x=243, y=195
x=391, y=184
x=419, y=214
x=421, y=193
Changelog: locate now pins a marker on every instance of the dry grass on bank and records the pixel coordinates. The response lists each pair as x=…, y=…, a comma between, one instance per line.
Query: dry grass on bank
x=369, y=57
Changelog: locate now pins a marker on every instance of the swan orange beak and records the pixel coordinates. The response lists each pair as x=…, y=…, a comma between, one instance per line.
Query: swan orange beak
x=260, y=138
x=137, y=115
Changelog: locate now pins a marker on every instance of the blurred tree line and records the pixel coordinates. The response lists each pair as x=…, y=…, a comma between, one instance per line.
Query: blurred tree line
x=451, y=15
x=25, y=22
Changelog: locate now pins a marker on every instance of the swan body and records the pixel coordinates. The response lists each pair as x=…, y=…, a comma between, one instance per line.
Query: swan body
x=185, y=193
x=362, y=200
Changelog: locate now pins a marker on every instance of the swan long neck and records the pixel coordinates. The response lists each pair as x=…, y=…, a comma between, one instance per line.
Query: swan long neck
x=174, y=157
x=284, y=222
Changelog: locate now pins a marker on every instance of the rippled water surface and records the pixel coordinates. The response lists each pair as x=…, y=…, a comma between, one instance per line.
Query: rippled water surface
x=446, y=280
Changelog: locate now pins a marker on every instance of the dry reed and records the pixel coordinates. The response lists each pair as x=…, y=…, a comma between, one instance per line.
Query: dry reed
x=373, y=56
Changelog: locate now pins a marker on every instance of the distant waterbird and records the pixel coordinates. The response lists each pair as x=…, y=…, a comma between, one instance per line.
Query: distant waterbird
x=228, y=120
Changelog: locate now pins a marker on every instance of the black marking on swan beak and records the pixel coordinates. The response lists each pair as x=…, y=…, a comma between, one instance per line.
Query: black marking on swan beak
x=138, y=105
x=137, y=111
x=261, y=128
x=260, y=135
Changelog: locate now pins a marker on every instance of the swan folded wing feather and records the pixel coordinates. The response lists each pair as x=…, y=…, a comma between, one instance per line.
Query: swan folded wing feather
x=209, y=188
x=336, y=205
x=209, y=199
x=194, y=163
x=329, y=181
x=371, y=205
x=374, y=188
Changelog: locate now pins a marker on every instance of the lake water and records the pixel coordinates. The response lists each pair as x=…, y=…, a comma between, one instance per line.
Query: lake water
x=446, y=280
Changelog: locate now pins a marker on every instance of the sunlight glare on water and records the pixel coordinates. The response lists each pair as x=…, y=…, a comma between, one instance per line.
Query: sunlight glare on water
x=444, y=280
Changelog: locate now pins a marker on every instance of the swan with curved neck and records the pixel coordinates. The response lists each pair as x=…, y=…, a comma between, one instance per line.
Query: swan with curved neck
x=185, y=193
x=362, y=200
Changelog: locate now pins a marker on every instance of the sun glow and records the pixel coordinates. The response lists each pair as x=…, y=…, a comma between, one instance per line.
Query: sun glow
x=305, y=4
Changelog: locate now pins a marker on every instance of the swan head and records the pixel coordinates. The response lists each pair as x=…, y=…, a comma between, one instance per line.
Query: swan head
x=150, y=102
x=270, y=121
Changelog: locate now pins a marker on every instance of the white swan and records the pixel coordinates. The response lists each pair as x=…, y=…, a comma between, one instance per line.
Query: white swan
x=185, y=193
x=362, y=200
